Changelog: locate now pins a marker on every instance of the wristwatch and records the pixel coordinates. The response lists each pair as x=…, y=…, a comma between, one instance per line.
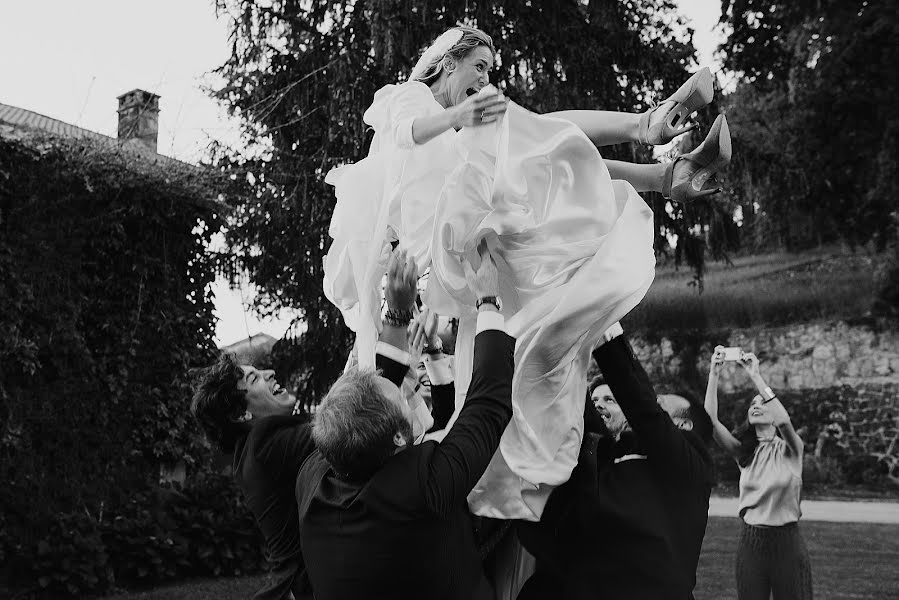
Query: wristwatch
x=494, y=300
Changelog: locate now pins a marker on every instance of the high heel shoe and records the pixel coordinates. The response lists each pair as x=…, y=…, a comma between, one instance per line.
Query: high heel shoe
x=695, y=93
x=687, y=174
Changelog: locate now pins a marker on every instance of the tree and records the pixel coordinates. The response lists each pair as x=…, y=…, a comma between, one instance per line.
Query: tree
x=302, y=73
x=813, y=118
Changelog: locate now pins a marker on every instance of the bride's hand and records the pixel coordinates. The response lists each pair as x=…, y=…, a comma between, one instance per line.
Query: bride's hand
x=479, y=109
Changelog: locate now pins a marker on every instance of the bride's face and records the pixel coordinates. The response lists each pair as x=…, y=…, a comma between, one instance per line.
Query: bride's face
x=470, y=74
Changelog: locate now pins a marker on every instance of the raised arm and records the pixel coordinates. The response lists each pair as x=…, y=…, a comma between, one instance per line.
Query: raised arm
x=458, y=462
x=720, y=433
x=412, y=125
x=426, y=342
x=633, y=391
x=782, y=421
x=393, y=358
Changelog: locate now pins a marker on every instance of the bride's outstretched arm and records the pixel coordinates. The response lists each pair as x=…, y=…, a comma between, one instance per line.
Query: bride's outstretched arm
x=603, y=127
x=476, y=110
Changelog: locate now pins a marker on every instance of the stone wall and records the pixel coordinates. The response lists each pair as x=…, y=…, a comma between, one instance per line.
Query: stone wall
x=806, y=356
x=840, y=383
x=851, y=434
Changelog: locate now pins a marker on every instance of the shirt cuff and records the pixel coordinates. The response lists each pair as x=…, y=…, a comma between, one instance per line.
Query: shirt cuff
x=490, y=319
x=403, y=133
x=440, y=371
x=610, y=334
x=393, y=353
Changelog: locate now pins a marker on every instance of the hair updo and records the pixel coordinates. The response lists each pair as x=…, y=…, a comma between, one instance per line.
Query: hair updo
x=471, y=39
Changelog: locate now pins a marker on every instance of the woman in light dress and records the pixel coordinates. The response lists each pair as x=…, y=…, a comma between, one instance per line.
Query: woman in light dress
x=452, y=163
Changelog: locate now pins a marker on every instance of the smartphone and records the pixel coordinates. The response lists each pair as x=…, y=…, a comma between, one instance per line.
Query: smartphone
x=732, y=354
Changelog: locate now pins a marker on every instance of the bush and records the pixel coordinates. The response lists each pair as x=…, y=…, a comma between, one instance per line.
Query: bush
x=161, y=535
x=69, y=560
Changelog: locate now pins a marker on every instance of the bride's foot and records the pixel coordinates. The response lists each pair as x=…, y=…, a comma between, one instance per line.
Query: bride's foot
x=662, y=123
x=686, y=176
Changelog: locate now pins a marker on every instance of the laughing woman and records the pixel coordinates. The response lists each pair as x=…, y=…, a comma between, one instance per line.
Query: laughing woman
x=772, y=556
x=452, y=163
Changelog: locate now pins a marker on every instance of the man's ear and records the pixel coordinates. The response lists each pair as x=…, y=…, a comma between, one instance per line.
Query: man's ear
x=399, y=440
x=246, y=416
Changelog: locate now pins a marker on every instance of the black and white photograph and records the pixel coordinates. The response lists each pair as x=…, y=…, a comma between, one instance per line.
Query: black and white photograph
x=450, y=300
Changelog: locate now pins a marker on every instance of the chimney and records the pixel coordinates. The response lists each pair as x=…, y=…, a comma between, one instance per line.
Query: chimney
x=139, y=119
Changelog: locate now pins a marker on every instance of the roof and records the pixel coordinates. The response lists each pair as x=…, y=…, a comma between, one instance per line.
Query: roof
x=28, y=119
x=14, y=115
x=251, y=349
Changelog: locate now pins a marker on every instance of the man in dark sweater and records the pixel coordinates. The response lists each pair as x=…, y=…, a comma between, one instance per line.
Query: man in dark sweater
x=381, y=518
x=630, y=521
x=245, y=412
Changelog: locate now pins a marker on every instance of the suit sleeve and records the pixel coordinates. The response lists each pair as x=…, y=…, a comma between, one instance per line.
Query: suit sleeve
x=289, y=447
x=443, y=404
x=462, y=457
x=391, y=369
x=659, y=436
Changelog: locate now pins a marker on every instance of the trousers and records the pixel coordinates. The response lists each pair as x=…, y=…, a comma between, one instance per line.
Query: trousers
x=773, y=560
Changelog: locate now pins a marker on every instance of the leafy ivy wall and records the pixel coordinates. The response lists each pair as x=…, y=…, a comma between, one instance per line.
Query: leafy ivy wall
x=104, y=309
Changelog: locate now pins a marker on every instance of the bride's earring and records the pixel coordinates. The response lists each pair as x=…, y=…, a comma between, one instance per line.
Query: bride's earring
x=247, y=416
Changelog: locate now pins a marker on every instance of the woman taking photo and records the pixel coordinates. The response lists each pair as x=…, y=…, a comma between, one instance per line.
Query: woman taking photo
x=771, y=555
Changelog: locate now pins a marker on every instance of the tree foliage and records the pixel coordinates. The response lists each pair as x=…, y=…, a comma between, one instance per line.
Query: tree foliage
x=104, y=307
x=302, y=73
x=813, y=118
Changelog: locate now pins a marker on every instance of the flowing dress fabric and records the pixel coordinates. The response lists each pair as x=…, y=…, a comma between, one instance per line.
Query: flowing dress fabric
x=573, y=247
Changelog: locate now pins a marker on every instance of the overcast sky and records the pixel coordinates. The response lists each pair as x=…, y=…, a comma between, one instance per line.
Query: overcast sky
x=70, y=60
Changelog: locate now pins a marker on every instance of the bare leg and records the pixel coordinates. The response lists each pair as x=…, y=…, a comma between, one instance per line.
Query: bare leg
x=603, y=127
x=644, y=178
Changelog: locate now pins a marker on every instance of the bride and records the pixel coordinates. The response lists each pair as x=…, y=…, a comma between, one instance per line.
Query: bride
x=453, y=163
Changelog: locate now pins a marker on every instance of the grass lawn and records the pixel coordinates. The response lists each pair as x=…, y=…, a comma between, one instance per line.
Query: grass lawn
x=849, y=561
x=763, y=290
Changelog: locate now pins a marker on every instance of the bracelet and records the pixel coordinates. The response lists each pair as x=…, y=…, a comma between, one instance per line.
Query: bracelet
x=494, y=300
x=768, y=395
x=398, y=318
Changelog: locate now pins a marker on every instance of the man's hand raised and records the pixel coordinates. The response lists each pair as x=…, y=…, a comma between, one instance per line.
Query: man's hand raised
x=484, y=280
x=402, y=281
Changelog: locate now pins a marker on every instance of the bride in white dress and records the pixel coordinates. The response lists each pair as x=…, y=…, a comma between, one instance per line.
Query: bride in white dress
x=453, y=163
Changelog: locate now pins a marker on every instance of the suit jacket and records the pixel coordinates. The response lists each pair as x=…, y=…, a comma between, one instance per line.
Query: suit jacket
x=266, y=462
x=405, y=532
x=630, y=521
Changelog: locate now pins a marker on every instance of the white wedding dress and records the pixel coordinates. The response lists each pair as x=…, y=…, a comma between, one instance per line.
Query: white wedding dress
x=573, y=247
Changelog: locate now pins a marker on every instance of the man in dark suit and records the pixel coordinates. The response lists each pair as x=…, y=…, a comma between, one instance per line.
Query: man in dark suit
x=630, y=521
x=244, y=411
x=381, y=518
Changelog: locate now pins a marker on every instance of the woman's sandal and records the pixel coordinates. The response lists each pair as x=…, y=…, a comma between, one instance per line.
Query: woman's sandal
x=688, y=173
x=695, y=93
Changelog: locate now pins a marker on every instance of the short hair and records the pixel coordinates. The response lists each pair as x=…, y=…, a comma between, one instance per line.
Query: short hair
x=695, y=411
x=471, y=39
x=595, y=383
x=217, y=403
x=355, y=424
